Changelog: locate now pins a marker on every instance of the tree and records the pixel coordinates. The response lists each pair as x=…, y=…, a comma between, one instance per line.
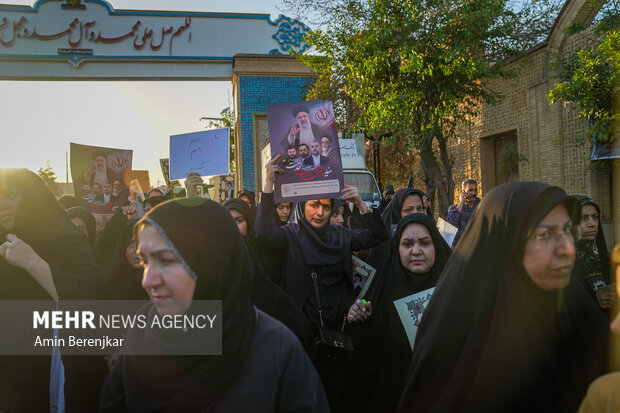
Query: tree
x=590, y=77
x=48, y=176
x=418, y=68
x=226, y=121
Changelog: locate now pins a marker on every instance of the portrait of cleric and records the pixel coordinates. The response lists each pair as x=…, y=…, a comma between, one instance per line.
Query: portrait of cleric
x=302, y=129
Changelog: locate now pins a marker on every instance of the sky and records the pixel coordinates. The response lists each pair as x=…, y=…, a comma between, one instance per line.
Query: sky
x=39, y=119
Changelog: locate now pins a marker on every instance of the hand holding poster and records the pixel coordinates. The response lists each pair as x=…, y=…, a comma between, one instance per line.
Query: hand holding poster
x=304, y=133
x=205, y=152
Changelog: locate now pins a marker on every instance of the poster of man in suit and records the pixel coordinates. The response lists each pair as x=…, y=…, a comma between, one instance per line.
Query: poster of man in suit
x=305, y=134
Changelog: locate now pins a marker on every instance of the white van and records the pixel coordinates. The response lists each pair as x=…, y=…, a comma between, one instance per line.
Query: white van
x=355, y=172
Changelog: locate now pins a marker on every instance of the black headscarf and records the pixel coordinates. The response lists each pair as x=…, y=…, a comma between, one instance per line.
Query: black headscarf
x=592, y=257
x=122, y=280
x=207, y=242
x=266, y=295
x=43, y=225
x=382, y=339
x=248, y=213
x=391, y=214
x=89, y=220
x=346, y=211
x=318, y=246
x=392, y=276
x=155, y=200
x=492, y=340
x=250, y=196
x=277, y=217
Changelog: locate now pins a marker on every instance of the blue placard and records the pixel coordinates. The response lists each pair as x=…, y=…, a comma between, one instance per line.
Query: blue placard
x=205, y=152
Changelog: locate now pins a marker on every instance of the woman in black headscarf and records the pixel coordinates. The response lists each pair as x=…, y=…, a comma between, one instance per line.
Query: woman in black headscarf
x=313, y=246
x=404, y=202
x=84, y=220
x=248, y=197
x=123, y=276
x=45, y=257
x=592, y=266
x=417, y=256
x=192, y=250
x=266, y=295
x=506, y=330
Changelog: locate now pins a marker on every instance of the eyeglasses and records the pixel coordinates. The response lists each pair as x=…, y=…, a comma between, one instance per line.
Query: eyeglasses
x=547, y=237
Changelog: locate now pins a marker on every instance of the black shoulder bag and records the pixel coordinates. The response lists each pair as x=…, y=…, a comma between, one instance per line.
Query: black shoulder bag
x=330, y=341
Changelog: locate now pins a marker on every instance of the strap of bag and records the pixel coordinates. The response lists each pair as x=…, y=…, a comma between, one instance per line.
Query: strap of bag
x=314, y=276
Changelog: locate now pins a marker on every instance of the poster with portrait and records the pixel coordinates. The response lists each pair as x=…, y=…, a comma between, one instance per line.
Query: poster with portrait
x=100, y=176
x=305, y=134
x=410, y=309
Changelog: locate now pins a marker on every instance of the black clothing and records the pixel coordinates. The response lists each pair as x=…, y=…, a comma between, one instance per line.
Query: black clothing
x=208, y=244
x=308, y=248
x=283, y=382
x=381, y=341
x=155, y=200
x=266, y=295
x=122, y=280
x=592, y=263
x=391, y=216
x=44, y=226
x=89, y=220
x=485, y=304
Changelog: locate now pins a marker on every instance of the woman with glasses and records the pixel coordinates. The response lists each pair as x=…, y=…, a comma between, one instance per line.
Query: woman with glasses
x=592, y=265
x=506, y=330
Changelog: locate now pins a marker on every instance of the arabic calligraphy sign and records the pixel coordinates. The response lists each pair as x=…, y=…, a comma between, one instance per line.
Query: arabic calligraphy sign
x=91, y=29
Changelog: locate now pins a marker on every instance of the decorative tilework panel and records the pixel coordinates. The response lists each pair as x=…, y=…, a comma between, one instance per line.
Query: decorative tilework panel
x=255, y=94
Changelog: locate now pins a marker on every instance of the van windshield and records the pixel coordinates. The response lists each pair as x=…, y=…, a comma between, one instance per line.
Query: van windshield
x=365, y=184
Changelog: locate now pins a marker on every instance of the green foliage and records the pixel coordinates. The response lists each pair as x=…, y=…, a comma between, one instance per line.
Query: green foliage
x=590, y=78
x=48, y=176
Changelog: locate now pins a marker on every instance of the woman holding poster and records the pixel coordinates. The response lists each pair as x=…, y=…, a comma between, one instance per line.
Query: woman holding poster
x=398, y=295
x=507, y=330
x=318, y=251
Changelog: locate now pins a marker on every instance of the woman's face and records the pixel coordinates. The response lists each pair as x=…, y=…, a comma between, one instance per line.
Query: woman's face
x=550, y=251
x=130, y=254
x=589, y=223
x=412, y=205
x=416, y=249
x=336, y=218
x=317, y=212
x=79, y=222
x=242, y=224
x=284, y=211
x=245, y=199
x=9, y=203
x=165, y=280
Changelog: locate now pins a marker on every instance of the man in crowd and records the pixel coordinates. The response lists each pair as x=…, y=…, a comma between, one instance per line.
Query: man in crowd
x=304, y=152
x=98, y=196
x=291, y=157
x=460, y=214
x=302, y=130
x=327, y=148
x=316, y=159
x=99, y=172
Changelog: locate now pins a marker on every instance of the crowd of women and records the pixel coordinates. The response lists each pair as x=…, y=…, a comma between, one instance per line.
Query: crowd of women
x=517, y=320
